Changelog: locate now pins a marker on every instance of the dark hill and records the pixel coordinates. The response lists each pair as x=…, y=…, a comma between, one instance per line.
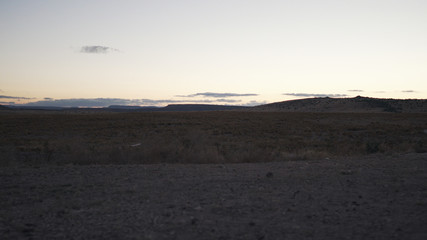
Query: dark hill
x=357, y=104
x=176, y=108
x=122, y=108
x=199, y=107
x=3, y=107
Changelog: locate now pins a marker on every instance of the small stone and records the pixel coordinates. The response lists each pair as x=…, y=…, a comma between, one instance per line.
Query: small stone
x=346, y=172
x=269, y=174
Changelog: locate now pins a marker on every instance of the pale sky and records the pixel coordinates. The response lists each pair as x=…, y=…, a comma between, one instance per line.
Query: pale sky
x=233, y=52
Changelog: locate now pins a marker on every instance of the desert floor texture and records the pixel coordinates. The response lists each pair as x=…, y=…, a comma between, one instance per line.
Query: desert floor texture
x=371, y=197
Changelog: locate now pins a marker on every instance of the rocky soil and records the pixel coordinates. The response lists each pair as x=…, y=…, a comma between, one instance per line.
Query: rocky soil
x=374, y=197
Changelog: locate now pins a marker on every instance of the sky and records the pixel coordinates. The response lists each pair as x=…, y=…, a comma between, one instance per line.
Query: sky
x=235, y=52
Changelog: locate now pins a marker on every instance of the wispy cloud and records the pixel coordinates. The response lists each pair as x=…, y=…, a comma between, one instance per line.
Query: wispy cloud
x=355, y=90
x=97, y=49
x=223, y=100
x=8, y=103
x=12, y=97
x=409, y=91
x=314, y=95
x=219, y=95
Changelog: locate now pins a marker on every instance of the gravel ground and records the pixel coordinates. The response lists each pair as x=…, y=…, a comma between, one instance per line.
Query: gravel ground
x=375, y=197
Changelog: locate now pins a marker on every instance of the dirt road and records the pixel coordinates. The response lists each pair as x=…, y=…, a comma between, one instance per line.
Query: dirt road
x=375, y=197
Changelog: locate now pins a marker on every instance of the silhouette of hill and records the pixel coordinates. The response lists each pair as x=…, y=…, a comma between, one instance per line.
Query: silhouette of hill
x=357, y=104
x=175, y=108
x=3, y=107
x=124, y=108
x=199, y=107
x=46, y=108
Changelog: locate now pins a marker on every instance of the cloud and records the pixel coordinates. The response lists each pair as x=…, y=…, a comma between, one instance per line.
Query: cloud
x=219, y=95
x=314, y=95
x=226, y=100
x=409, y=91
x=97, y=49
x=355, y=90
x=11, y=97
x=48, y=99
x=8, y=103
x=105, y=102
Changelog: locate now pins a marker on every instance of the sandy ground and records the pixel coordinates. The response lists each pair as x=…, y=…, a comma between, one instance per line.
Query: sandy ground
x=376, y=197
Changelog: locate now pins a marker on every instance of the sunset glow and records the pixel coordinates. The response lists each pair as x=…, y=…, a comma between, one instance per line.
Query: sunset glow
x=214, y=52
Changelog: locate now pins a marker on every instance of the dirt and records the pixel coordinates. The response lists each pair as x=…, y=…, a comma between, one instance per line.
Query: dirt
x=374, y=197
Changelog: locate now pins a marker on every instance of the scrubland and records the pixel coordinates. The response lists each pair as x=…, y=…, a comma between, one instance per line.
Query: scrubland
x=95, y=175
x=60, y=138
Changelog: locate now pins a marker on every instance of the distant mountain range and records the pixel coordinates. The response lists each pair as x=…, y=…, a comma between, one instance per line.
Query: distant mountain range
x=177, y=108
x=357, y=104
x=124, y=108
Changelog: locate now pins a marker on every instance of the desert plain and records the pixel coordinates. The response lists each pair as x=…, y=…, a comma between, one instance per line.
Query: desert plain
x=212, y=175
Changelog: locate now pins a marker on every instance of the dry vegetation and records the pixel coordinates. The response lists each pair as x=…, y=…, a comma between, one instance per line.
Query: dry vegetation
x=40, y=138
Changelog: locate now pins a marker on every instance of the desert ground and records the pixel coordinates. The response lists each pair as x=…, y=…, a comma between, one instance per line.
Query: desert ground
x=220, y=175
x=36, y=138
x=373, y=197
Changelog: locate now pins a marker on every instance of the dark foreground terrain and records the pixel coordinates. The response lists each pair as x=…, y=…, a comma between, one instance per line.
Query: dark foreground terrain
x=37, y=138
x=369, y=197
x=212, y=175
